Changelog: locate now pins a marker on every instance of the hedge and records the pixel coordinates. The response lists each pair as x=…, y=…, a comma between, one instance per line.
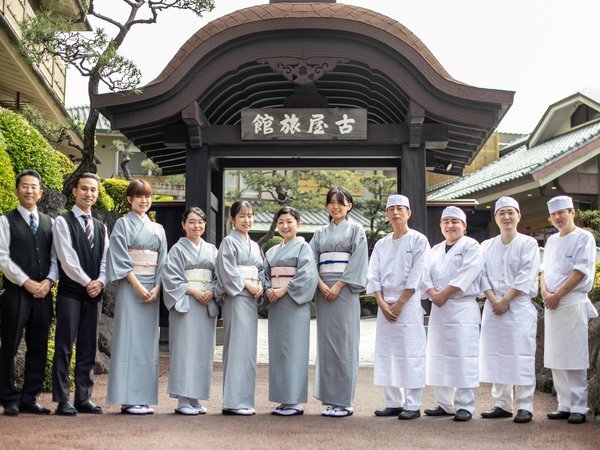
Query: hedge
x=27, y=149
x=115, y=189
x=8, y=200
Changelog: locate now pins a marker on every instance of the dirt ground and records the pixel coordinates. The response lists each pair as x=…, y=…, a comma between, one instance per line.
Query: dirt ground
x=363, y=430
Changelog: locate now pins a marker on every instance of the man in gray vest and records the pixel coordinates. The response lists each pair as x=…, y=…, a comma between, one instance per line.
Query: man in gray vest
x=30, y=270
x=81, y=243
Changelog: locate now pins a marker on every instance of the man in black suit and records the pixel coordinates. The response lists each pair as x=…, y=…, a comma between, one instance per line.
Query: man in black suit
x=81, y=243
x=30, y=269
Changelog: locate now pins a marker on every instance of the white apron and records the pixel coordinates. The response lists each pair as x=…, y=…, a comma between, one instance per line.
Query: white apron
x=508, y=343
x=400, y=347
x=566, y=334
x=453, y=344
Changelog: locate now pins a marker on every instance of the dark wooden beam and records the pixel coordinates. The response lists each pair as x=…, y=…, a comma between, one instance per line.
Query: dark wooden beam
x=194, y=120
x=412, y=181
x=415, y=118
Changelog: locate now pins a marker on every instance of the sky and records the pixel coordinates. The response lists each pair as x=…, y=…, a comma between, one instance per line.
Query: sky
x=544, y=50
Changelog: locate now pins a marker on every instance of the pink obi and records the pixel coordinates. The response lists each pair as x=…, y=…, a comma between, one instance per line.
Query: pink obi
x=144, y=261
x=281, y=276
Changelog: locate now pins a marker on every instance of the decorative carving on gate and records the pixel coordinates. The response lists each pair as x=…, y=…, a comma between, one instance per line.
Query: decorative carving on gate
x=302, y=71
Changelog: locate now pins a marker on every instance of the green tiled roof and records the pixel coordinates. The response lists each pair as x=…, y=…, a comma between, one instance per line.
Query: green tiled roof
x=521, y=162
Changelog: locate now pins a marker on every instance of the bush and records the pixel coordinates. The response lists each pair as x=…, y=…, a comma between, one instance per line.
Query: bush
x=115, y=189
x=8, y=200
x=271, y=243
x=27, y=149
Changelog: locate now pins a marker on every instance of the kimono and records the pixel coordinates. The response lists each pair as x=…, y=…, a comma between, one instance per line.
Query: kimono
x=289, y=322
x=192, y=325
x=133, y=376
x=240, y=319
x=338, y=322
x=453, y=336
x=507, y=345
x=396, y=265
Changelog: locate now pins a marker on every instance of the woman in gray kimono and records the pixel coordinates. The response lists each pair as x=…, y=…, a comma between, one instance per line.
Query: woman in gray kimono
x=188, y=283
x=239, y=273
x=290, y=281
x=340, y=250
x=137, y=251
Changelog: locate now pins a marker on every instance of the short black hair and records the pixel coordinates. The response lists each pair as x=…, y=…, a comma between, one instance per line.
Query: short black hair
x=28, y=173
x=193, y=210
x=86, y=175
x=235, y=208
x=289, y=210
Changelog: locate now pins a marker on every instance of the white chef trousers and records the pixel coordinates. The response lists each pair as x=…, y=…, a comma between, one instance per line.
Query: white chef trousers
x=571, y=390
x=409, y=399
x=503, y=395
x=452, y=399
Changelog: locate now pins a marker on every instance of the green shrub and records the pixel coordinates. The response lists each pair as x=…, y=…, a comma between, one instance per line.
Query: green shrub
x=115, y=189
x=67, y=167
x=8, y=200
x=104, y=200
x=27, y=149
x=271, y=243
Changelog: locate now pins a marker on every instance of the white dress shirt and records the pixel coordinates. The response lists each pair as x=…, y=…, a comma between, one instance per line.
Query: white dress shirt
x=68, y=257
x=10, y=269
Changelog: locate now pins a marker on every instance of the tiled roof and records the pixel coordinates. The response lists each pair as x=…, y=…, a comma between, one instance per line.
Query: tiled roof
x=80, y=114
x=517, y=164
x=310, y=220
x=291, y=11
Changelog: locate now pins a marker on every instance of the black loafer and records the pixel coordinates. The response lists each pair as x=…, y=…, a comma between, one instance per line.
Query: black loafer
x=388, y=412
x=33, y=408
x=495, y=413
x=576, y=418
x=523, y=416
x=88, y=407
x=66, y=409
x=409, y=415
x=11, y=409
x=558, y=415
x=439, y=411
x=462, y=415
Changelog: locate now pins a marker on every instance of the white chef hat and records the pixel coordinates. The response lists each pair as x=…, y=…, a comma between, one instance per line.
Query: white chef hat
x=453, y=211
x=503, y=202
x=560, y=202
x=397, y=200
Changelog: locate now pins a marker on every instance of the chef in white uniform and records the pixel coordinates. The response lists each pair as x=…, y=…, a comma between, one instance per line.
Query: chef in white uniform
x=395, y=276
x=509, y=323
x=567, y=278
x=452, y=273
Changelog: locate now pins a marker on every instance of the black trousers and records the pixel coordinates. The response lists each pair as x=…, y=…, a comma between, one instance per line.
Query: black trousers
x=75, y=320
x=20, y=312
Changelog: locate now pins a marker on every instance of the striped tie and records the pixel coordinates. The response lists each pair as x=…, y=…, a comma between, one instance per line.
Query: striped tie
x=88, y=229
x=32, y=223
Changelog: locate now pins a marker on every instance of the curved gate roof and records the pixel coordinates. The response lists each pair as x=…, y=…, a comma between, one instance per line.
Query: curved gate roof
x=355, y=58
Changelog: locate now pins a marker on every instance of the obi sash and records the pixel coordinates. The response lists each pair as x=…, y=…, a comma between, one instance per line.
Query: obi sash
x=144, y=261
x=281, y=276
x=200, y=279
x=249, y=273
x=333, y=262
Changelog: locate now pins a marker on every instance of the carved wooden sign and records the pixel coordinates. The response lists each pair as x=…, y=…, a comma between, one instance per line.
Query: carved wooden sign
x=304, y=124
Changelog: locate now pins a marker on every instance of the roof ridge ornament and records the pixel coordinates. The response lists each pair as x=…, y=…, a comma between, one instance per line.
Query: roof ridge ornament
x=302, y=71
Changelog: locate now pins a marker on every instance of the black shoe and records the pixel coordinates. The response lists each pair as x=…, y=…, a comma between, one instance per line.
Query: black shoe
x=33, y=408
x=462, y=415
x=558, y=415
x=88, y=407
x=388, y=412
x=496, y=413
x=11, y=409
x=576, y=418
x=523, y=416
x=439, y=411
x=409, y=415
x=66, y=409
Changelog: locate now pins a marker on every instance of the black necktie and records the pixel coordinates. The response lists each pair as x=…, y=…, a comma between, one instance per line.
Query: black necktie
x=32, y=223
